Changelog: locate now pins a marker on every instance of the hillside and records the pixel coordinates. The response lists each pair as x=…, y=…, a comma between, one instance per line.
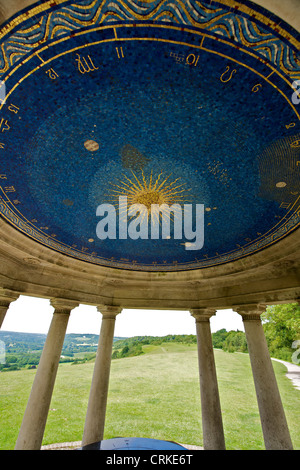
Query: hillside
x=153, y=395
x=23, y=350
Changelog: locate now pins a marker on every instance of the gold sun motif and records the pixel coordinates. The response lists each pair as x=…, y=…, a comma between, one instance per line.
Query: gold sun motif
x=147, y=191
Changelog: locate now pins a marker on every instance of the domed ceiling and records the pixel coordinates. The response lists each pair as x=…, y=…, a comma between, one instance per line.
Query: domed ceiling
x=192, y=104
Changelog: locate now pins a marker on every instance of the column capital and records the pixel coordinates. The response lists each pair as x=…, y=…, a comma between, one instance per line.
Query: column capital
x=109, y=311
x=250, y=311
x=7, y=296
x=63, y=305
x=202, y=314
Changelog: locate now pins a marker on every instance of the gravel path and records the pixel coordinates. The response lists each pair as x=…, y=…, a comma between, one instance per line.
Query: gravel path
x=293, y=372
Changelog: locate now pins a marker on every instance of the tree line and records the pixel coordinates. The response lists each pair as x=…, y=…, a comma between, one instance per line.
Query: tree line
x=281, y=324
x=23, y=350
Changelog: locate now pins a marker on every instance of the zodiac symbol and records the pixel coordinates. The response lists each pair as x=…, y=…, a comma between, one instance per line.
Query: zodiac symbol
x=9, y=189
x=292, y=124
x=230, y=76
x=295, y=144
x=285, y=205
x=178, y=57
x=257, y=87
x=84, y=66
x=7, y=126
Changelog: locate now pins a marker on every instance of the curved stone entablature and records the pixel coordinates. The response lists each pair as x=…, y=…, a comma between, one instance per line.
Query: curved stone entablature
x=162, y=102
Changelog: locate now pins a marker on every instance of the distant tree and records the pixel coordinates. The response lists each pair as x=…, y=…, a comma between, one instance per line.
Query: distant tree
x=282, y=327
x=235, y=341
x=115, y=354
x=124, y=351
x=10, y=359
x=219, y=337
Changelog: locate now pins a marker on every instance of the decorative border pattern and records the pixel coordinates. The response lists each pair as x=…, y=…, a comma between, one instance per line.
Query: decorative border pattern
x=215, y=17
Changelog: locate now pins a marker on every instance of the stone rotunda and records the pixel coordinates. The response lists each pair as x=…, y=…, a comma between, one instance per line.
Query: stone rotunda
x=112, y=108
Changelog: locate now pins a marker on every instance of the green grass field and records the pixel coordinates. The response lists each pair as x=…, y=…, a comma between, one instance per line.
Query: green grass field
x=154, y=395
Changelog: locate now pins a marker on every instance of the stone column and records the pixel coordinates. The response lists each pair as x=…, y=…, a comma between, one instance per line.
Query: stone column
x=212, y=425
x=95, y=417
x=6, y=297
x=35, y=417
x=274, y=426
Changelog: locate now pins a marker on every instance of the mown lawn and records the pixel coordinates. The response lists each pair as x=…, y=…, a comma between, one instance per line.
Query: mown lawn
x=153, y=395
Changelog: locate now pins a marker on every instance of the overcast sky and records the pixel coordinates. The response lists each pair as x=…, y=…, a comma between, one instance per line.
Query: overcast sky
x=29, y=314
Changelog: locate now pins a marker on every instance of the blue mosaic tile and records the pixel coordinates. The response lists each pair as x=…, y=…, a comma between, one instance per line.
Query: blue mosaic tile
x=174, y=102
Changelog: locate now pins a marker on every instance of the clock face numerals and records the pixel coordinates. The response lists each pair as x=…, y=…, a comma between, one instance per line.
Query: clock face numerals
x=160, y=114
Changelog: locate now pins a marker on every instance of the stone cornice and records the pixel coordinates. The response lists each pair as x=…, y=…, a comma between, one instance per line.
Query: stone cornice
x=7, y=296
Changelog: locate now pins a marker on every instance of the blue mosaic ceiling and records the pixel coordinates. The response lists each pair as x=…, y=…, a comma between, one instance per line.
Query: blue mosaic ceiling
x=168, y=101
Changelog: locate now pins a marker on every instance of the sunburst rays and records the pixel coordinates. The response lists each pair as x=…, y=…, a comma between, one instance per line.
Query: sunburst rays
x=146, y=191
